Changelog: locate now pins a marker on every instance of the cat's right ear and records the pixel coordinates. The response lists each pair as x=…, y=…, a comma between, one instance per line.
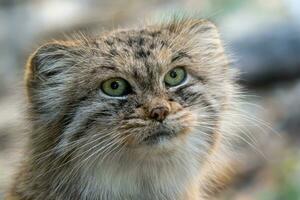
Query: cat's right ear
x=47, y=63
x=48, y=73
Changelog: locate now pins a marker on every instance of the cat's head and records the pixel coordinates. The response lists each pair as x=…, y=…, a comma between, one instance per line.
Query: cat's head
x=152, y=90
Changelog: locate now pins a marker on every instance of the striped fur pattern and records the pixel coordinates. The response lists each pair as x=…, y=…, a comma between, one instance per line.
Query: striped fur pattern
x=86, y=145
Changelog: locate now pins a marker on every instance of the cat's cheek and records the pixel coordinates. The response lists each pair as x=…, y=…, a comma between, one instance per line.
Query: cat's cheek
x=130, y=141
x=175, y=107
x=184, y=119
x=183, y=122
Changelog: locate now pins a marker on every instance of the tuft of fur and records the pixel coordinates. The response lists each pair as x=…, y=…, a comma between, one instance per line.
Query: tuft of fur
x=87, y=145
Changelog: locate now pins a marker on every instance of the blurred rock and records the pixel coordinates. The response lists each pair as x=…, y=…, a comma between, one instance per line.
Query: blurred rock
x=269, y=56
x=286, y=106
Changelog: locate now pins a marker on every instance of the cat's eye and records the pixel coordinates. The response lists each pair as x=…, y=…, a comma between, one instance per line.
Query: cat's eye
x=116, y=87
x=175, y=77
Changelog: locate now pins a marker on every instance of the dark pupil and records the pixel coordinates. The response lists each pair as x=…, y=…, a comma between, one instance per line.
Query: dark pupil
x=114, y=85
x=173, y=74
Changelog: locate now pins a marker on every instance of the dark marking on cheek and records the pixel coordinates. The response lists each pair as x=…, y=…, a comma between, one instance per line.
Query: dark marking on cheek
x=184, y=87
x=200, y=100
x=120, y=104
x=202, y=79
x=128, y=111
x=70, y=112
x=90, y=121
x=83, y=98
x=192, y=98
x=188, y=97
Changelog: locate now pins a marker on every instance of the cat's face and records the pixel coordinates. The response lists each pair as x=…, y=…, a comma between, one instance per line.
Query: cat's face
x=158, y=89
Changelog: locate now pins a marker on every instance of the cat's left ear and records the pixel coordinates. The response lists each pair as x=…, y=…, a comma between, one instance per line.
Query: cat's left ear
x=203, y=26
x=202, y=31
x=193, y=27
x=201, y=37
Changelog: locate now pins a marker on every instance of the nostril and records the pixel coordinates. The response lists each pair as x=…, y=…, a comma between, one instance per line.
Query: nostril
x=155, y=115
x=159, y=113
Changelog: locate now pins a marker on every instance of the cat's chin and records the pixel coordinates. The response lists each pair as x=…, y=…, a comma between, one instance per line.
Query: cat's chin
x=163, y=143
x=161, y=135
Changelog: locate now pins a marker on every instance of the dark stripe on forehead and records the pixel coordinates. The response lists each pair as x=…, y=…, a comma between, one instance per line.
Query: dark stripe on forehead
x=130, y=42
x=136, y=73
x=150, y=72
x=141, y=41
x=136, y=41
x=155, y=33
x=142, y=53
x=108, y=67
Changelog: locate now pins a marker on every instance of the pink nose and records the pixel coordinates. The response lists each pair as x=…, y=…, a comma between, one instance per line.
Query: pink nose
x=159, y=113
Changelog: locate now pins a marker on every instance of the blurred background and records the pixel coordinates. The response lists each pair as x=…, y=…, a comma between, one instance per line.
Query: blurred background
x=262, y=37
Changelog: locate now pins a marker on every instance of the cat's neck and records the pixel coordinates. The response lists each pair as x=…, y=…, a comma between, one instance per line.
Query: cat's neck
x=149, y=176
x=169, y=179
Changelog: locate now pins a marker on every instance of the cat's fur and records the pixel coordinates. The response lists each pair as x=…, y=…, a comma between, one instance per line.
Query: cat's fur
x=86, y=145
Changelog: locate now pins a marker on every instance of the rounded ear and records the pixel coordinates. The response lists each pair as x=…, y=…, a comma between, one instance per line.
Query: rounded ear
x=192, y=26
x=202, y=31
x=46, y=75
x=203, y=26
x=202, y=39
x=46, y=62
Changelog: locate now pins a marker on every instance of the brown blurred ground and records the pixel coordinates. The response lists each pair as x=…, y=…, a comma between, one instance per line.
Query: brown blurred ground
x=262, y=36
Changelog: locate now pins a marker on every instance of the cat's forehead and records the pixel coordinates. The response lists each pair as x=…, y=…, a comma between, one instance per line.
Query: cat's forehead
x=137, y=44
x=137, y=37
x=142, y=49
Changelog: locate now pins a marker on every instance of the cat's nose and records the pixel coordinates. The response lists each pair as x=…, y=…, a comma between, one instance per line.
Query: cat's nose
x=159, y=113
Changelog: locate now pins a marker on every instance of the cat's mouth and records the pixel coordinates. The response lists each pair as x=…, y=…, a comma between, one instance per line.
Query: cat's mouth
x=159, y=135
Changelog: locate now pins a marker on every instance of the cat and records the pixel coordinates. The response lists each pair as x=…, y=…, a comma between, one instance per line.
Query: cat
x=131, y=114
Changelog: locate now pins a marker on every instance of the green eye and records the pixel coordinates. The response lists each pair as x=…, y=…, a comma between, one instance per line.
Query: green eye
x=175, y=77
x=116, y=87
